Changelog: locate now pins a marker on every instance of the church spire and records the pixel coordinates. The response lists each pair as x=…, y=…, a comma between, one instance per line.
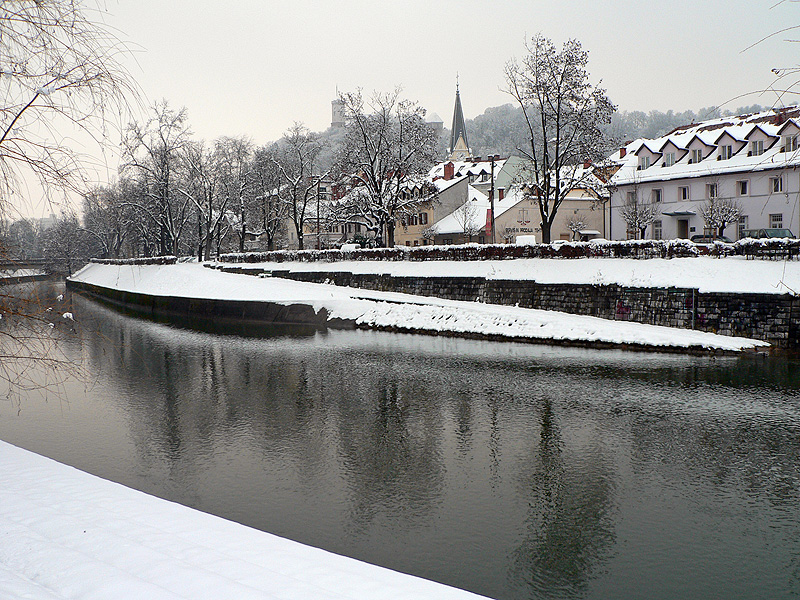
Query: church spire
x=459, y=144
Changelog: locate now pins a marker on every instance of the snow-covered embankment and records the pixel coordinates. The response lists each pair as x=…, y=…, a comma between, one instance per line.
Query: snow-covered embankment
x=402, y=312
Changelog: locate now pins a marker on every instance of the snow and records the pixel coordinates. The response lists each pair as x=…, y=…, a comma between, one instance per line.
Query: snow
x=709, y=133
x=383, y=309
x=735, y=274
x=68, y=534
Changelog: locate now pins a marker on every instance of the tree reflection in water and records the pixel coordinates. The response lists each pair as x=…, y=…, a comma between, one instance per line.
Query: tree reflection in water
x=510, y=470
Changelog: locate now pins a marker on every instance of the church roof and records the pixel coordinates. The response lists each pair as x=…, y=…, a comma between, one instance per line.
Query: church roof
x=459, y=129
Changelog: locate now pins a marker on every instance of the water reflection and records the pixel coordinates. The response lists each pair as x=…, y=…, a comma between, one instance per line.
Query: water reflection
x=513, y=471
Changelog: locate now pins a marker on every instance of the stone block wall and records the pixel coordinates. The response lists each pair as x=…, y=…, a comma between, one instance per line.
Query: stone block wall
x=774, y=318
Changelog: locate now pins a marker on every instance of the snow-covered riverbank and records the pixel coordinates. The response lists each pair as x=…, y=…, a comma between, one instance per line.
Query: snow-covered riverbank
x=406, y=312
x=68, y=534
x=706, y=274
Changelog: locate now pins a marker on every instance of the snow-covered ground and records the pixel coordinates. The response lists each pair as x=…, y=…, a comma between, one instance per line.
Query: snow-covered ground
x=20, y=272
x=404, y=311
x=67, y=534
x=706, y=274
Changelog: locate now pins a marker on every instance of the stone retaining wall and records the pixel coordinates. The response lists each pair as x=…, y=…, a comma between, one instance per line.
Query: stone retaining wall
x=774, y=318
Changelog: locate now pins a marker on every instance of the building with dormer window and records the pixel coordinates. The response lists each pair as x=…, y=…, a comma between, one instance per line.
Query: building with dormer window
x=752, y=159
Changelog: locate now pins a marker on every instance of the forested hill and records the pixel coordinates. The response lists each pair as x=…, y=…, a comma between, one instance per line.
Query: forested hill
x=501, y=129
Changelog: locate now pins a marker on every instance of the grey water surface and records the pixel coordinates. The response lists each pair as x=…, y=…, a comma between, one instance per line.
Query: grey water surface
x=509, y=470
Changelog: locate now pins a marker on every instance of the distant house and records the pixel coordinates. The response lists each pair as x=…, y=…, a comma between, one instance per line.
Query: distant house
x=751, y=160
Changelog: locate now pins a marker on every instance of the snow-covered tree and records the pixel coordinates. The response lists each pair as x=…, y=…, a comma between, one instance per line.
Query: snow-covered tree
x=233, y=159
x=575, y=225
x=387, y=148
x=637, y=214
x=295, y=158
x=153, y=153
x=108, y=216
x=565, y=116
x=270, y=211
x=718, y=213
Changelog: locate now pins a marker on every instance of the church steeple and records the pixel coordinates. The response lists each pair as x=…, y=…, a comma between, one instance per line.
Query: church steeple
x=459, y=144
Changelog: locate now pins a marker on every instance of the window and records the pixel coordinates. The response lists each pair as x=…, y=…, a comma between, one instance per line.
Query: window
x=357, y=227
x=423, y=218
x=697, y=155
x=448, y=241
x=655, y=195
x=413, y=220
x=742, y=187
x=743, y=225
x=630, y=198
x=790, y=143
x=775, y=184
x=484, y=177
x=669, y=159
x=416, y=243
x=757, y=147
x=776, y=221
x=523, y=216
x=683, y=192
x=644, y=162
x=725, y=152
x=657, y=230
x=711, y=190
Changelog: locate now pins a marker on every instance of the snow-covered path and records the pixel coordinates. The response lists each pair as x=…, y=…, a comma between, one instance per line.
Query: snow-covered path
x=402, y=311
x=67, y=534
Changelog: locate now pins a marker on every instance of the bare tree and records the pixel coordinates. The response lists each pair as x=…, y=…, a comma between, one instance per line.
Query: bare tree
x=60, y=79
x=59, y=72
x=201, y=186
x=718, y=213
x=565, y=116
x=269, y=210
x=387, y=146
x=637, y=214
x=295, y=159
x=108, y=216
x=154, y=153
x=465, y=216
x=234, y=162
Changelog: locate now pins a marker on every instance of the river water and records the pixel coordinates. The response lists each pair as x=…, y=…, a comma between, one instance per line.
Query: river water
x=509, y=470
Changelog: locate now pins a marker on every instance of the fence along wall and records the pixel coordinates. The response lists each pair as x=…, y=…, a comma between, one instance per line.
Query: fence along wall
x=774, y=318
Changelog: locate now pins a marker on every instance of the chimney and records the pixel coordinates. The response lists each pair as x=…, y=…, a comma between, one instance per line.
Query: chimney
x=449, y=171
x=501, y=192
x=622, y=152
x=587, y=163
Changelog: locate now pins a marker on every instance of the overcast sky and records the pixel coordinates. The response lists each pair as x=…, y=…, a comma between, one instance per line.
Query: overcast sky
x=253, y=67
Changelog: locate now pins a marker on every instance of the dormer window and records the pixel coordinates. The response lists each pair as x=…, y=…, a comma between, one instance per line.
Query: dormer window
x=644, y=162
x=790, y=143
x=697, y=155
x=725, y=152
x=757, y=147
x=669, y=159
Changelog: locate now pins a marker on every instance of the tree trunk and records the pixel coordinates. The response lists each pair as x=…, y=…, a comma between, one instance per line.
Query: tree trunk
x=545, y=232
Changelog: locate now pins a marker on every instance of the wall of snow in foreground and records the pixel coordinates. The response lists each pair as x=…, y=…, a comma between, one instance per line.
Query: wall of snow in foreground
x=68, y=534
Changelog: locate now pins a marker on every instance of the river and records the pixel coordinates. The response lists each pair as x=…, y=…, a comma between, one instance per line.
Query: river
x=509, y=470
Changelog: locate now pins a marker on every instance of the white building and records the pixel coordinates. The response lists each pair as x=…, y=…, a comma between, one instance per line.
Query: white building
x=751, y=159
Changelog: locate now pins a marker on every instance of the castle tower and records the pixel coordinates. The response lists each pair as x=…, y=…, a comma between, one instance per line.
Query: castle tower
x=459, y=144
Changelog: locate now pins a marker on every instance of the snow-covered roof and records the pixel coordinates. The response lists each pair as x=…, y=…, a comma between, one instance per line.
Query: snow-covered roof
x=768, y=124
x=462, y=168
x=453, y=223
